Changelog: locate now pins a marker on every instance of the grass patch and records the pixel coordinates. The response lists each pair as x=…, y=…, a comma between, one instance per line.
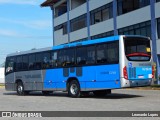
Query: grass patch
x=155, y=86
x=1, y=84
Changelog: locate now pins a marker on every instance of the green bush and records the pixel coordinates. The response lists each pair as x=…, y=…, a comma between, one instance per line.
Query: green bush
x=157, y=86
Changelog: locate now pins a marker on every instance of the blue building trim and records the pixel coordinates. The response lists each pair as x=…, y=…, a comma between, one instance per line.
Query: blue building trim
x=153, y=35
x=115, y=17
x=53, y=24
x=68, y=22
x=88, y=21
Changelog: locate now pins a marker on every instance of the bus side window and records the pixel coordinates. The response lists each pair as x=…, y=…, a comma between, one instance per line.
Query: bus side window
x=60, y=58
x=32, y=61
x=70, y=57
x=90, y=55
x=25, y=62
x=101, y=53
x=53, y=61
x=19, y=63
x=66, y=57
x=46, y=60
x=81, y=56
x=38, y=64
x=9, y=65
x=112, y=52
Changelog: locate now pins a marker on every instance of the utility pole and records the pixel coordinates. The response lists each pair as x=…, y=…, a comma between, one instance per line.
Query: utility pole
x=52, y=8
x=88, y=21
x=115, y=17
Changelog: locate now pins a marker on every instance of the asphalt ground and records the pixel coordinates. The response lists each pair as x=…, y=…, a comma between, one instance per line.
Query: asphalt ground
x=119, y=100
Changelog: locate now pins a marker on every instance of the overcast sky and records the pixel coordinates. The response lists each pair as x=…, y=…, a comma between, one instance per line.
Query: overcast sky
x=24, y=25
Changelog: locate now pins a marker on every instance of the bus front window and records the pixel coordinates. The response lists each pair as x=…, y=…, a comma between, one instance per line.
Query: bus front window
x=137, y=49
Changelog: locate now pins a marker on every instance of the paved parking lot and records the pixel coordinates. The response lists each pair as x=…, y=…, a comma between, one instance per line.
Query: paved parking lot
x=119, y=100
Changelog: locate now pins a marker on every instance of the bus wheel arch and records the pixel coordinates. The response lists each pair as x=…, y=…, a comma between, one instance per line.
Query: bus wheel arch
x=73, y=87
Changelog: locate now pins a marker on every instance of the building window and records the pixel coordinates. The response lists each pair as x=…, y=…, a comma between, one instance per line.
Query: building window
x=105, y=14
x=80, y=40
x=61, y=9
x=78, y=23
x=58, y=27
x=76, y=3
x=137, y=29
x=101, y=14
x=158, y=27
x=125, y=6
x=102, y=35
x=97, y=17
x=63, y=27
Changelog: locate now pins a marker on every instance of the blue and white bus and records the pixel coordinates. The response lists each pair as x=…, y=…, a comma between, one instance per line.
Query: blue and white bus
x=90, y=66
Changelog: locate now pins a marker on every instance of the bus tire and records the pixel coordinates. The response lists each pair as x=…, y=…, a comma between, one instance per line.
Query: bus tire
x=20, y=89
x=100, y=93
x=74, y=89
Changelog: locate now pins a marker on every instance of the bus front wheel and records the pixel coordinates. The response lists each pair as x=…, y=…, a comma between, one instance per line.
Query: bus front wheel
x=20, y=89
x=74, y=89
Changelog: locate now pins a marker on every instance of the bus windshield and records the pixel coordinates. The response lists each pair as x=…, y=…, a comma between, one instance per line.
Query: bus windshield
x=137, y=49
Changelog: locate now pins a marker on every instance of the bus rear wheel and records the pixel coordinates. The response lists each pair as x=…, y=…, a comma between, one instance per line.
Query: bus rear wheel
x=20, y=89
x=74, y=89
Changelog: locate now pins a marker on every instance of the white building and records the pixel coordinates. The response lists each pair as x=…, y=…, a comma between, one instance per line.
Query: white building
x=76, y=20
x=1, y=74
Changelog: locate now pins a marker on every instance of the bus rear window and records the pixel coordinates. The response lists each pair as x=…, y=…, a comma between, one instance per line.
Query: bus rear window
x=137, y=49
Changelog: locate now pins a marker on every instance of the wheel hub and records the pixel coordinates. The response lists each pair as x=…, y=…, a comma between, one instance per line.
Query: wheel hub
x=74, y=89
x=20, y=89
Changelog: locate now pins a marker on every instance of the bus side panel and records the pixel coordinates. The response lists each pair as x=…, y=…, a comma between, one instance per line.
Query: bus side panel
x=32, y=80
x=101, y=77
x=92, y=77
x=50, y=78
x=55, y=79
x=10, y=82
